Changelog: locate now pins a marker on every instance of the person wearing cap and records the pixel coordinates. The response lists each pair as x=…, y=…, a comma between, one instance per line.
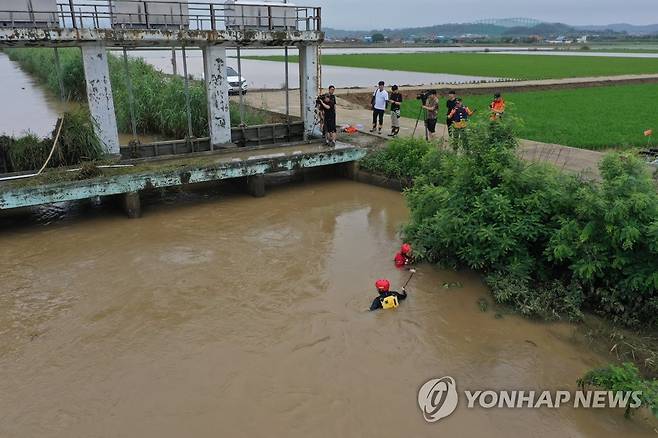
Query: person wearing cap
x=497, y=107
x=396, y=105
x=459, y=116
x=403, y=257
x=451, y=103
x=379, y=104
x=387, y=298
x=431, y=108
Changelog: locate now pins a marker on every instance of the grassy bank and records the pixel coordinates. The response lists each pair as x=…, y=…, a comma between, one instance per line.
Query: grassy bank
x=493, y=64
x=159, y=99
x=589, y=118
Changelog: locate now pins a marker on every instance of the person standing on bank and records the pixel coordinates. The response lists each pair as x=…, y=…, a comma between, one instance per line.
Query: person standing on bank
x=497, y=107
x=329, y=116
x=451, y=103
x=396, y=105
x=379, y=103
x=328, y=104
x=431, y=107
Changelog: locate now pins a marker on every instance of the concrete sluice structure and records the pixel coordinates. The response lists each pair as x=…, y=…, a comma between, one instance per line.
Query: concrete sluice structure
x=94, y=26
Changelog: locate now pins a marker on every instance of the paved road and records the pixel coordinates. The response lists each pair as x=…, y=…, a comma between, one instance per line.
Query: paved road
x=349, y=113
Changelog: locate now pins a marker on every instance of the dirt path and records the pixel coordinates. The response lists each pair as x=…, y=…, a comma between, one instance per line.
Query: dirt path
x=568, y=158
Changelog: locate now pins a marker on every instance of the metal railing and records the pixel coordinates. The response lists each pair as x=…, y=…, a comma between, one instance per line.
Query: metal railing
x=165, y=15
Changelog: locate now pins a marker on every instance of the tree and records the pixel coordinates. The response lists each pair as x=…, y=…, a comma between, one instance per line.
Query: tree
x=378, y=38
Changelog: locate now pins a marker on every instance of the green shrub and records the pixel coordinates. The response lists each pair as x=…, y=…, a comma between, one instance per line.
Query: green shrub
x=624, y=378
x=401, y=159
x=549, y=244
x=610, y=241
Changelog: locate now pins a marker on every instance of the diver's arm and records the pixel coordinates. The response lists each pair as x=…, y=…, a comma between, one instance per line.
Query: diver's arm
x=376, y=304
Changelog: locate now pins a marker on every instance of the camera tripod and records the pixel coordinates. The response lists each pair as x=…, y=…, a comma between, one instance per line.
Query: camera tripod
x=421, y=114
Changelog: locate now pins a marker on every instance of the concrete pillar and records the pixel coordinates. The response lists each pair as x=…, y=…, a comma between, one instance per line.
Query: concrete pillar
x=219, y=116
x=309, y=86
x=132, y=205
x=256, y=185
x=99, y=96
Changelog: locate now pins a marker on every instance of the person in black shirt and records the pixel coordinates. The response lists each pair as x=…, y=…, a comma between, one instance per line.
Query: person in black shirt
x=328, y=106
x=451, y=103
x=396, y=104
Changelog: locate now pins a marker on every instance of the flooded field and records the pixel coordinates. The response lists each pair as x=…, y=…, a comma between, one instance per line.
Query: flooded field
x=225, y=315
x=271, y=75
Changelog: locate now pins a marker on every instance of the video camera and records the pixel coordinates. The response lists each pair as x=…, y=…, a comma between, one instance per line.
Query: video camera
x=319, y=99
x=423, y=96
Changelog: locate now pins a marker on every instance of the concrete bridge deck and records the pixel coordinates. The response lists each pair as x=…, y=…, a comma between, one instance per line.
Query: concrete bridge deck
x=252, y=164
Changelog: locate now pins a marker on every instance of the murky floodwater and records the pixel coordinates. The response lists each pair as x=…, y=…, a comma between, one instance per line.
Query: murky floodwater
x=241, y=317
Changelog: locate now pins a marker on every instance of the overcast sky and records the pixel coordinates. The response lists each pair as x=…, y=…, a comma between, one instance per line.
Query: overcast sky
x=377, y=14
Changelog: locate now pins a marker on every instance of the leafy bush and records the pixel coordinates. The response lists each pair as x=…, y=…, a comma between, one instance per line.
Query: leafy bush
x=548, y=243
x=610, y=241
x=624, y=378
x=401, y=159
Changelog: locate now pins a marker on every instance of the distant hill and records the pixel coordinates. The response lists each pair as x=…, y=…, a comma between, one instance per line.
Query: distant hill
x=631, y=29
x=446, y=30
x=494, y=28
x=543, y=29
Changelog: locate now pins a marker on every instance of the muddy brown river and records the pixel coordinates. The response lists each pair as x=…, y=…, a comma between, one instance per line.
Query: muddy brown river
x=225, y=315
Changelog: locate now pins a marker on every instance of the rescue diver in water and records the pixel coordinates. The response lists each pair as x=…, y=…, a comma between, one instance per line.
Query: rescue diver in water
x=387, y=298
x=403, y=259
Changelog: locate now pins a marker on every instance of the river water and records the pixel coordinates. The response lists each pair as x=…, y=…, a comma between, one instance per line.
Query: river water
x=225, y=315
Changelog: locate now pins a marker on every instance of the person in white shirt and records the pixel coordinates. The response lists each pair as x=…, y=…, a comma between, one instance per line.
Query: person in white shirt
x=379, y=103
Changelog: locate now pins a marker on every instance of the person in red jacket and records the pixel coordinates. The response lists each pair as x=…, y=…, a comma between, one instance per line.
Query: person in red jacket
x=403, y=257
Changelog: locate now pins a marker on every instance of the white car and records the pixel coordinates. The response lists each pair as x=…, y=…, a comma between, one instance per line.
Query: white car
x=236, y=82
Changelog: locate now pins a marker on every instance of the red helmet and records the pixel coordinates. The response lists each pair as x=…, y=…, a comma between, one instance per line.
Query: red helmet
x=406, y=248
x=383, y=285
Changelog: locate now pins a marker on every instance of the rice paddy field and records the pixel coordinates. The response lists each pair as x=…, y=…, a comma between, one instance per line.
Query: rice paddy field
x=522, y=67
x=599, y=118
